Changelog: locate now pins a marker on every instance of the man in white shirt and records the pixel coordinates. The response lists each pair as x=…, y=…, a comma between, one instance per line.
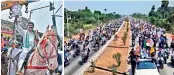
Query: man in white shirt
x=30, y=39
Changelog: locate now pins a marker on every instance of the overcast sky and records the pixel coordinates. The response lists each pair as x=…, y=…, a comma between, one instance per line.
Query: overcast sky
x=42, y=18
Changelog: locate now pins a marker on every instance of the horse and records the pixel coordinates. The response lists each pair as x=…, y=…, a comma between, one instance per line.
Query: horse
x=43, y=59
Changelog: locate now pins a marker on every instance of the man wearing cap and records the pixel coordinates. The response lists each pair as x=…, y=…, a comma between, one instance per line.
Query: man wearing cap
x=30, y=39
x=13, y=51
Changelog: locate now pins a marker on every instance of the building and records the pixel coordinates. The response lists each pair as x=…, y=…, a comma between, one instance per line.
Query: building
x=7, y=29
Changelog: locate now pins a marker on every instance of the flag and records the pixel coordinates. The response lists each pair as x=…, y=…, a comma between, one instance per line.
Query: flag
x=144, y=44
x=151, y=43
x=148, y=42
x=152, y=50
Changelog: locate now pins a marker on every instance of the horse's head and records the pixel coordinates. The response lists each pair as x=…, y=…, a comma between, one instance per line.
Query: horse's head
x=49, y=49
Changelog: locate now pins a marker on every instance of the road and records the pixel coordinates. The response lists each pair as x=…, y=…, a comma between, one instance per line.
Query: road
x=75, y=69
x=168, y=68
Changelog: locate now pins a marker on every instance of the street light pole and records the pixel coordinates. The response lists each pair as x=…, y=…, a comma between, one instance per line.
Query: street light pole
x=36, y=9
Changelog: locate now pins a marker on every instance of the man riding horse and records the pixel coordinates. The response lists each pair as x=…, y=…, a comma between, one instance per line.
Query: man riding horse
x=30, y=39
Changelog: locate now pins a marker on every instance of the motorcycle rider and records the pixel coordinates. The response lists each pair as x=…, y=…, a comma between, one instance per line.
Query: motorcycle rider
x=82, y=35
x=172, y=46
x=132, y=58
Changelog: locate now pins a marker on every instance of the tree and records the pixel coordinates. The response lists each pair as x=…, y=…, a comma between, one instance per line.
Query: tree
x=117, y=58
x=114, y=13
x=151, y=13
x=97, y=12
x=114, y=70
x=93, y=65
x=124, y=37
x=105, y=10
x=83, y=17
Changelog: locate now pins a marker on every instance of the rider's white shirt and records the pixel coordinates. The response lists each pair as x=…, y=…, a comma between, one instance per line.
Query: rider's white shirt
x=31, y=39
x=23, y=33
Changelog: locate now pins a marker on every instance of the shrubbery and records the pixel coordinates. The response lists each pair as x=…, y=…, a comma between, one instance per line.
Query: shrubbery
x=117, y=58
x=81, y=18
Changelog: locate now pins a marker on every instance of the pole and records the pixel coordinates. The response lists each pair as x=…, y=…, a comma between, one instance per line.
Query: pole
x=53, y=6
x=54, y=23
x=36, y=9
x=30, y=16
x=98, y=18
x=68, y=27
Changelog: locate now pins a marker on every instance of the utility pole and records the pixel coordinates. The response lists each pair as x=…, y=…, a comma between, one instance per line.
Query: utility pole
x=98, y=18
x=36, y=9
x=67, y=19
x=54, y=24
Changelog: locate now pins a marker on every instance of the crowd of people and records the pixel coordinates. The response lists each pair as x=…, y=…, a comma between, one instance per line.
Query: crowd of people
x=89, y=42
x=30, y=41
x=149, y=41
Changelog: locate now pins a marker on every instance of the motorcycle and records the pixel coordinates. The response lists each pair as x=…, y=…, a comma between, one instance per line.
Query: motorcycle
x=76, y=52
x=66, y=61
x=103, y=40
x=160, y=62
x=165, y=56
x=97, y=45
x=83, y=59
x=172, y=59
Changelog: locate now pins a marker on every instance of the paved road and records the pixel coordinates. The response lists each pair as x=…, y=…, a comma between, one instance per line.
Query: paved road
x=168, y=68
x=75, y=69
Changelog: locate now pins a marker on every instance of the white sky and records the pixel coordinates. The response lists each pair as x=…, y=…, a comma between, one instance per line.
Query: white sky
x=42, y=17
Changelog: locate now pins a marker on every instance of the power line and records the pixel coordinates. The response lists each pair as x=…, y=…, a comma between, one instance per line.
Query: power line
x=43, y=16
x=40, y=4
x=58, y=9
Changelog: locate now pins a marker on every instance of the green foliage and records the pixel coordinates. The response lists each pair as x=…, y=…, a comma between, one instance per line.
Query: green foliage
x=140, y=16
x=162, y=17
x=93, y=65
x=127, y=26
x=117, y=58
x=77, y=19
x=151, y=13
x=114, y=70
x=124, y=37
x=87, y=26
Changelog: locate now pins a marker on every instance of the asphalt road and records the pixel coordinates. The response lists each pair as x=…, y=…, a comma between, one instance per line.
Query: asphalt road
x=168, y=68
x=75, y=69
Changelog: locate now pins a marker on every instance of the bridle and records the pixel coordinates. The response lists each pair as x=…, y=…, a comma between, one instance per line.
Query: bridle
x=44, y=58
x=47, y=56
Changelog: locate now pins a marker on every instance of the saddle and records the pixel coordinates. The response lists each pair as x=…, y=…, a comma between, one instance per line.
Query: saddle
x=27, y=57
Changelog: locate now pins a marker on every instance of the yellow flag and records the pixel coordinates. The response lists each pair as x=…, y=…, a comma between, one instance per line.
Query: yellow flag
x=152, y=50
